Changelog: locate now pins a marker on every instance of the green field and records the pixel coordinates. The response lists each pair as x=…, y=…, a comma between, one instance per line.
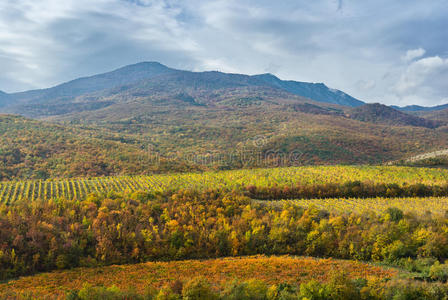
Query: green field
x=79, y=188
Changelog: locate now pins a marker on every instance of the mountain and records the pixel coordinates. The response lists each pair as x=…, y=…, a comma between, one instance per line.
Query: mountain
x=382, y=114
x=85, y=85
x=315, y=91
x=152, y=79
x=106, y=124
x=418, y=108
x=3, y=98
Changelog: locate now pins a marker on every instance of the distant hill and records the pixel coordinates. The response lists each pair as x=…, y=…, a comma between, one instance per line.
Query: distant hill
x=418, y=108
x=152, y=79
x=382, y=114
x=3, y=98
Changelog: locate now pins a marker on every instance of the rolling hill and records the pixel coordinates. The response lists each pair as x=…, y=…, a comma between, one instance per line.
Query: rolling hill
x=382, y=114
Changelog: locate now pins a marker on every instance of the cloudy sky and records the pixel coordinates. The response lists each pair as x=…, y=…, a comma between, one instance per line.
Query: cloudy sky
x=394, y=52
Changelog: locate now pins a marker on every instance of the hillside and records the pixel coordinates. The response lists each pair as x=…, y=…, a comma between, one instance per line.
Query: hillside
x=214, y=120
x=437, y=115
x=382, y=114
x=39, y=150
x=315, y=91
x=271, y=270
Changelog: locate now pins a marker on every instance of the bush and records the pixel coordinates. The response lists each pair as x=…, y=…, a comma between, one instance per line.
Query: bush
x=395, y=214
x=98, y=293
x=248, y=290
x=166, y=293
x=198, y=289
x=439, y=272
x=314, y=290
x=282, y=291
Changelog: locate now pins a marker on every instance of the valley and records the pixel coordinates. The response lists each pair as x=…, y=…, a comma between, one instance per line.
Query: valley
x=254, y=187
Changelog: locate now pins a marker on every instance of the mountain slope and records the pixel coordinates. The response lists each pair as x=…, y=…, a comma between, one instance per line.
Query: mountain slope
x=3, y=98
x=85, y=85
x=200, y=121
x=152, y=79
x=315, y=91
x=382, y=114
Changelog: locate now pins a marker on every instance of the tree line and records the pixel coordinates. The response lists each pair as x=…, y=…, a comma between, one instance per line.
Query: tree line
x=350, y=189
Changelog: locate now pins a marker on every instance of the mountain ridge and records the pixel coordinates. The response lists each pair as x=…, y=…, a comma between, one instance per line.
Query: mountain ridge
x=134, y=74
x=79, y=86
x=142, y=73
x=315, y=91
x=419, y=108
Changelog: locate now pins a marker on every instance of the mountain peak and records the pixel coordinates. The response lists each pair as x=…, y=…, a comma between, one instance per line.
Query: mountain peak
x=145, y=66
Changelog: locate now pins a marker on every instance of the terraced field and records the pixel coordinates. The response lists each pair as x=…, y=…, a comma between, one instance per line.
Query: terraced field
x=80, y=188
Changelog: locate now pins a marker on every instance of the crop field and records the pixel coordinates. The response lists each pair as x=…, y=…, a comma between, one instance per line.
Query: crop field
x=416, y=205
x=79, y=188
x=272, y=270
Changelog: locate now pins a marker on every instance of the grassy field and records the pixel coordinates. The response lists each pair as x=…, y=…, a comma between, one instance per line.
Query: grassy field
x=416, y=205
x=272, y=270
x=80, y=188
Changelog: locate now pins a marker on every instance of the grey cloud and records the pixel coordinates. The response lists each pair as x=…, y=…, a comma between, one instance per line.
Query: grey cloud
x=349, y=44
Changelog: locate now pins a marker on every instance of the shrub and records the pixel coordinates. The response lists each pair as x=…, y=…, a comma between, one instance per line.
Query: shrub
x=395, y=214
x=198, y=289
x=439, y=272
x=314, y=290
x=248, y=290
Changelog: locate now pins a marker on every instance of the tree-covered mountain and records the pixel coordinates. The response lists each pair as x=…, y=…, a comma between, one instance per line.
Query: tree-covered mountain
x=106, y=124
x=152, y=79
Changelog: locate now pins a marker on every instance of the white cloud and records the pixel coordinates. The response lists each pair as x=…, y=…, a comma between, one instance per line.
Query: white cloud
x=413, y=54
x=425, y=80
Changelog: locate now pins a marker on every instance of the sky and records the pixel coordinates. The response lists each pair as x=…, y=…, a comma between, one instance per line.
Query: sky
x=392, y=52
